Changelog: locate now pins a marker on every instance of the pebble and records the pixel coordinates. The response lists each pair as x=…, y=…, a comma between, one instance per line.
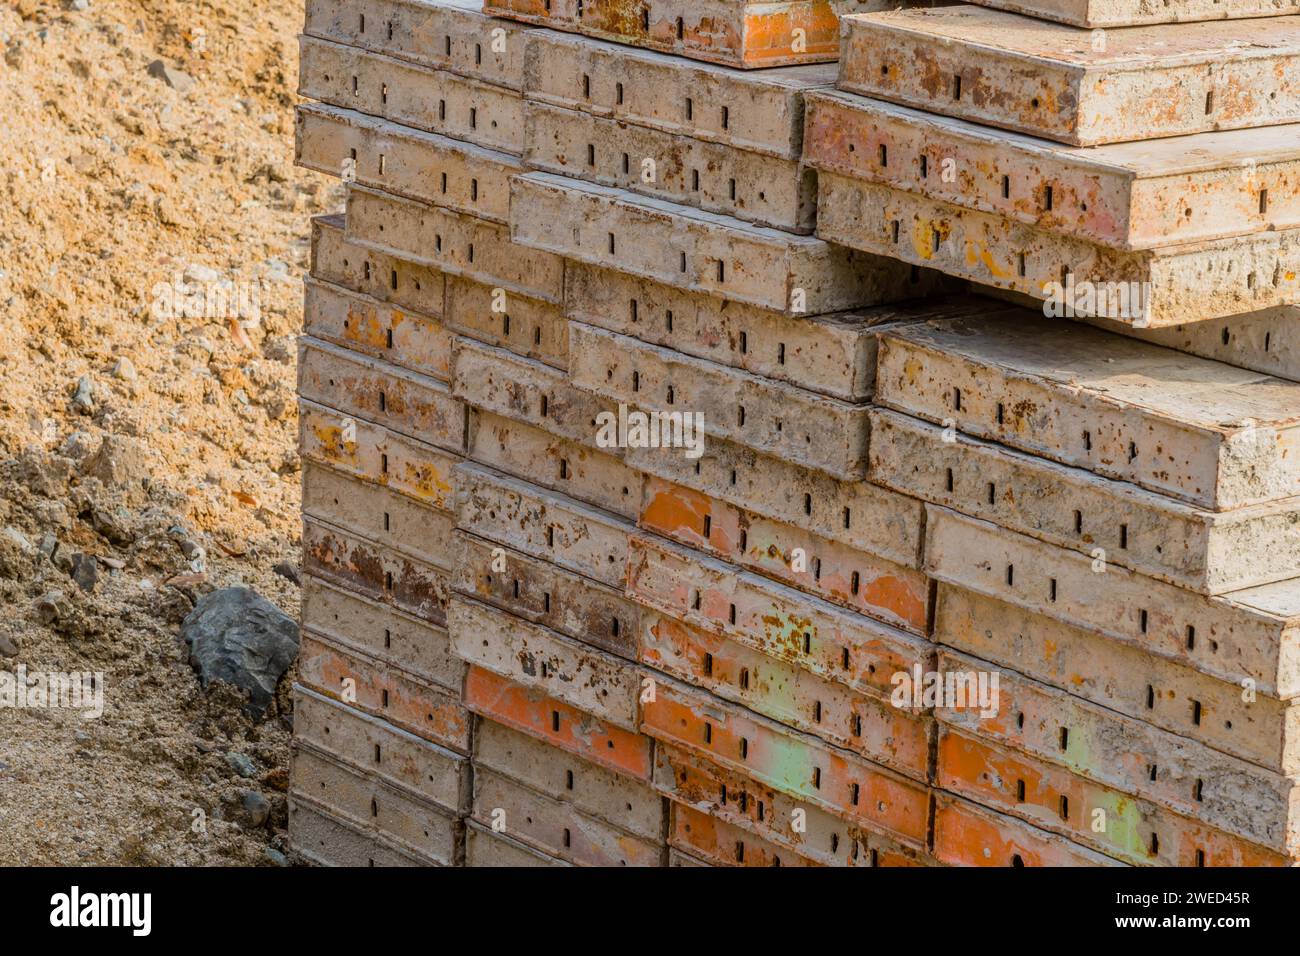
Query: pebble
x=124, y=369
x=178, y=80
x=257, y=809
x=85, y=571
x=241, y=764
x=83, y=399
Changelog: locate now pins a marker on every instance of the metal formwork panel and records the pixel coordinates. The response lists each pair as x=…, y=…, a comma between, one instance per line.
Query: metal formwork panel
x=1211, y=434
x=376, y=454
x=787, y=760
x=556, y=828
x=777, y=419
x=373, y=571
x=532, y=328
x=560, y=725
x=1123, y=677
x=759, y=112
x=381, y=750
x=382, y=277
x=1125, y=195
x=896, y=737
x=854, y=513
x=532, y=656
x=556, y=463
x=527, y=518
x=1122, y=13
x=967, y=834
x=436, y=101
x=740, y=33
x=413, y=164
x=499, y=381
x=1206, y=551
x=783, y=820
x=452, y=243
x=1129, y=755
x=324, y=840
x=375, y=688
x=485, y=848
x=356, y=321
x=827, y=641
x=381, y=632
x=590, y=788
x=717, y=178
x=1053, y=81
x=412, y=404
x=833, y=354
x=372, y=806
x=1266, y=341
x=1245, y=635
x=545, y=594
x=378, y=515
x=454, y=35
x=722, y=843
x=893, y=593
x=701, y=251
x=1051, y=797
x=1155, y=287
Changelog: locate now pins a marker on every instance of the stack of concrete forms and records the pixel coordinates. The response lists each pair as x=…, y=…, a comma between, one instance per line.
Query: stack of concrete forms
x=1113, y=523
x=532, y=637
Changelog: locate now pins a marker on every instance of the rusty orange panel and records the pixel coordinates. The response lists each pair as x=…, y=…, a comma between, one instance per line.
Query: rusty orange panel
x=743, y=34
x=1126, y=827
x=896, y=737
x=752, y=806
x=382, y=691
x=788, y=760
x=872, y=585
x=725, y=844
x=970, y=835
x=557, y=723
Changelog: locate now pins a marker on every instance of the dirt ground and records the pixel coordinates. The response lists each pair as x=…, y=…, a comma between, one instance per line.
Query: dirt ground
x=140, y=424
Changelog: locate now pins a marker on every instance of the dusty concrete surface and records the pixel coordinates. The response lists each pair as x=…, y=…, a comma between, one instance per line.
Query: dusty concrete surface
x=119, y=176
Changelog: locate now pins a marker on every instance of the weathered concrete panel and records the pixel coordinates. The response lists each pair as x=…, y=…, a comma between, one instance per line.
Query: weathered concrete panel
x=1155, y=287
x=382, y=277
x=1249, y=634
x=530, y=327
x=966, y=834
x=399, y=91
x=1126, y=195
x=758, y=112
x=485, y=848
x=324, y=840
x=454, y=35
x=426, y=167
x=1120, y=13
x=780, y=420
x=1207, y=551
x=451, y=243
x=723, y=843
x=753, y=187
x=1210, y=434
x=700, y=251
x=1005, y=70
x=358, y=322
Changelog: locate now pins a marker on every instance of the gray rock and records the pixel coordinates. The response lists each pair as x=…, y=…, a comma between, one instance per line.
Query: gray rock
x=50, y=606
x=237, y=636
x=8, y=647
x=242, y=764
x=288, y=571
x=83, y=398
x=255, y=808
x=85, y=571
x=276, y=857
x=178, y=80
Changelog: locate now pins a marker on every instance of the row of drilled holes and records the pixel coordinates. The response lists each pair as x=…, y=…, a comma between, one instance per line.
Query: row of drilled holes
x=626, y=167
x=634, y=316
x=1053, y=593
x=846, y=659
x=741, y=801
x=688, y=110
x=744, y=678
x=721, y=264
x=846, y=513
x=1000, y=418
x=505, y=330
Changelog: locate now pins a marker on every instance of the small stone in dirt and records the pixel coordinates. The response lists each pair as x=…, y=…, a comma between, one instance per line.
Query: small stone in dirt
x=50, y=605
x=124, y=369
x=120, y=462
x=8, y=647
x=242, y=764
x=49, y=544
x=289, y=571
x=178, y=80
x=18, y=539
x=83, y=398
x=276, y=857
x=85, y=571
x=237, y=636
x=256, y=808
